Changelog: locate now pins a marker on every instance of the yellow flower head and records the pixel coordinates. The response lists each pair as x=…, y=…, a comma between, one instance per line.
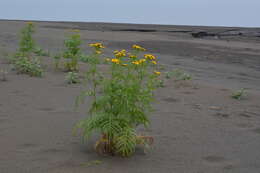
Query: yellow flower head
x=157, y=72
x=119, y=54
x=136, y=62
x=98, y=52
x=29, y=23
x=97, y=45
x=138, y=48
x=116, y=61
x=108, y=59
x=149, y=56
x=132, y=56
x=142, y=61
x=124, y=64
x=154, y=62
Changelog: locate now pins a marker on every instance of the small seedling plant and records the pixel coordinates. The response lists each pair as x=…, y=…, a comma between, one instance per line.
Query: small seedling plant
x=72, y=78
x=72, y=52
x=238, y=95
x=40, y=52
x=3, y=75
x=178, y=75
x=57, y=59
x=25, y=61
x=121, y=99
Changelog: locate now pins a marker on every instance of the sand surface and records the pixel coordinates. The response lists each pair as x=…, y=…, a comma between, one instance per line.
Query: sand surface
x=197, y=126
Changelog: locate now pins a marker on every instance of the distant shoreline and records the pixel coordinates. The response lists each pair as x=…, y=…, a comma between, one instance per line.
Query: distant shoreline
x=134, y=24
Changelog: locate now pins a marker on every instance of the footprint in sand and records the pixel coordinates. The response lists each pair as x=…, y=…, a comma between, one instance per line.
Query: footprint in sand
x=221, y=115
x=171, y=100
x=27, y=147
x=46, y=109
x=228, y=167
x=244, y=125
x=52, y=150
x=214, y=159
x=257, y=131
x=3, y=120
x=19, y=93
x=187, y=92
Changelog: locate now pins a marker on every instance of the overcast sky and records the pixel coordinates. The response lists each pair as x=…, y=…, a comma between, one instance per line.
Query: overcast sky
x=178, y=12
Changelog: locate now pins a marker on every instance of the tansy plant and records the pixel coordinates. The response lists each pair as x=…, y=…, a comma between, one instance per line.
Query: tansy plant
x=27, y=43
x=25, y=60
x=72, y=52
x=121, y=99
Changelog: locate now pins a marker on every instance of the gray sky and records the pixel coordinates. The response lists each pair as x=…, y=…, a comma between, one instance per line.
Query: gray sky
x=178, y=12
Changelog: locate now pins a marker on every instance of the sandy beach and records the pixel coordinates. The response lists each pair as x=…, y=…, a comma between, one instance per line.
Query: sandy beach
x=197, y=126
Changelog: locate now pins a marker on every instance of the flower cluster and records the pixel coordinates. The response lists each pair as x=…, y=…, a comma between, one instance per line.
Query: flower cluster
x=120, y=54
x=138, y=48
x=29, y=23
x=132, y=56
x=154, y=62
x=97, y=45
x=121, y=57
x=149, y=56
x=138, y=62
x=115, y=60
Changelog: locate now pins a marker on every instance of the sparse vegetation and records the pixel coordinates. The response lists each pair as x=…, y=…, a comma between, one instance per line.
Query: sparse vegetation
x=40, y=52
x=3, y=74
x=72, y=52
x=72, y=78
x=25, y=61
x=56, y=59
x=239, y=94
x=178, y=74
x=27, y=65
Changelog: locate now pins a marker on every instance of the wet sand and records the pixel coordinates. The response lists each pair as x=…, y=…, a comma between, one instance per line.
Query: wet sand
x=197, y=126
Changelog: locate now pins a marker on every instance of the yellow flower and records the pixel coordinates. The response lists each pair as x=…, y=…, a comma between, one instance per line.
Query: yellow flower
x=157, y=72
x=142, y=61
x=119, y=54
x=154, y=62
x=124, y=64
x=116, y=61
x=149, y=56
x=138, y=48
x=132, y=56
x=98, y=52
x=107, y=59
x=29, y=23
x=136, y=62
x=97, y=45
